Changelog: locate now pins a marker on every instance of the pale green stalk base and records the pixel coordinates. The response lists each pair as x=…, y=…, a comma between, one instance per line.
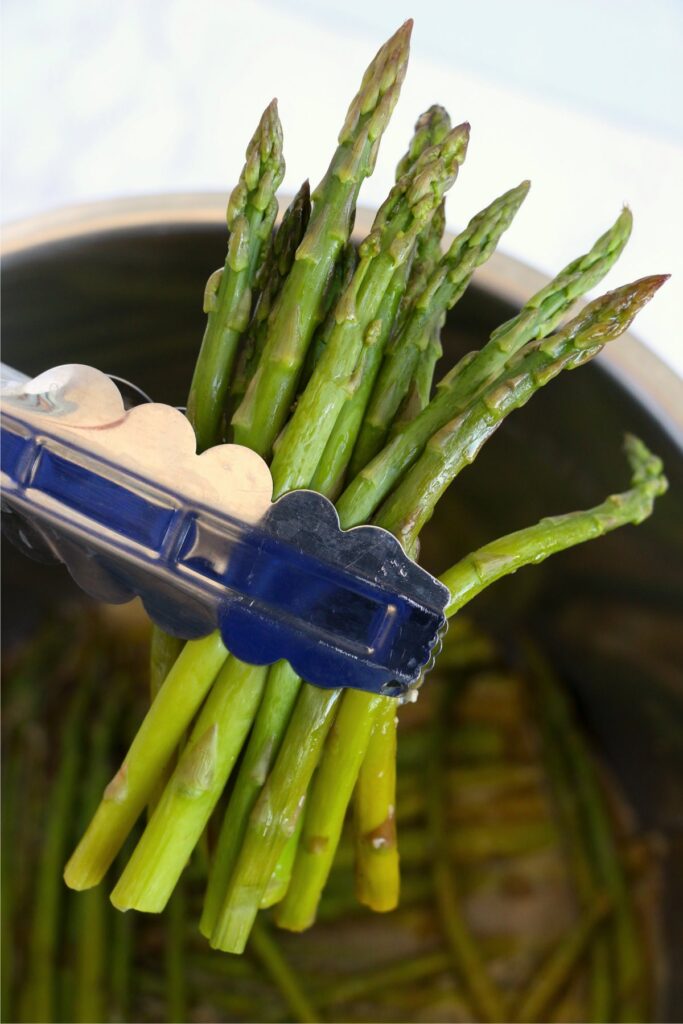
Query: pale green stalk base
x=186, y=804
x=374, y=808
x=126, y=795
x=325, y=807
x=273, y=715
x=275, y=815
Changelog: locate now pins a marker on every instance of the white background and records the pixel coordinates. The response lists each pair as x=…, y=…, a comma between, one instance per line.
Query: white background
x=111, y=97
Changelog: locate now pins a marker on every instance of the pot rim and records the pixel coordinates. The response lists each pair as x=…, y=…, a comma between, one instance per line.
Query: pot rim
x=654, y=384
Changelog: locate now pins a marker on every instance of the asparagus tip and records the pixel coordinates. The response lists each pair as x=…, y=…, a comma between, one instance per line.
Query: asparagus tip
x=647, y=468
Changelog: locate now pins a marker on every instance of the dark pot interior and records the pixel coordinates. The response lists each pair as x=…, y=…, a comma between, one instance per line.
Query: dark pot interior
x=610, y=613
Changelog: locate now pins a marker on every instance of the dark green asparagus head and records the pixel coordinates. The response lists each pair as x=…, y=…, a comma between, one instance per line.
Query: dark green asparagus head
x=374, y=103
x=584, y=273
x=263, y=171
x=292, y=229
x=431, y=128
x=603, y=319
x=648, y=472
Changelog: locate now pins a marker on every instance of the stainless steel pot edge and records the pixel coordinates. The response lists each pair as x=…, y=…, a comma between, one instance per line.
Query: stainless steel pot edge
x=639, y=370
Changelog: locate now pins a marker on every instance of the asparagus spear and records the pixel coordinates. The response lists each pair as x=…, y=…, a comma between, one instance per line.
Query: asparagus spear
x=559, y=770
x=445, y=287
x=458, y=443
x=532, y=545
x=537, y=318
x=227, y=301
x=408, y=208
x=269, y=282
x=262, y=413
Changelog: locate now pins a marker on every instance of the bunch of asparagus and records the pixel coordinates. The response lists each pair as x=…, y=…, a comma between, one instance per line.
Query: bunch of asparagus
x=320, y=355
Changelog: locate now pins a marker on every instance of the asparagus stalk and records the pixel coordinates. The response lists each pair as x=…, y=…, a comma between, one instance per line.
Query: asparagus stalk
x=176, y=987
x=269, y=282
x=377, y=870
x=627, y=963
x=342, y=276
x=559, y=771
x=40, y=990
x=408, y=208
x=91, y=938
x=227, y=300
x=261, y=415
x=431, y=129
x=454, y=392
x=126, y=795
x=393, y=976
x=189, y=798
x=533, y=545
x=458, y=443
x=271, y=721
x=325, y=806
x=467, y=958
x=557, y=970
x=279, y=804
x=445, y=287
x=329, y=475
x=274, y=816
x=266, y=949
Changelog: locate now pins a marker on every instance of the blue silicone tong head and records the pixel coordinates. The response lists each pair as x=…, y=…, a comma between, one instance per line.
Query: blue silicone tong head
x=123, y=500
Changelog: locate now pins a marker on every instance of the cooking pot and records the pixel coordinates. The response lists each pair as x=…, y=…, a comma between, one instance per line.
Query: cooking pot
x=119, y=285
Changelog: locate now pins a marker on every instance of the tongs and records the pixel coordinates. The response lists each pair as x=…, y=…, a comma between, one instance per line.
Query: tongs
x=120, y=496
